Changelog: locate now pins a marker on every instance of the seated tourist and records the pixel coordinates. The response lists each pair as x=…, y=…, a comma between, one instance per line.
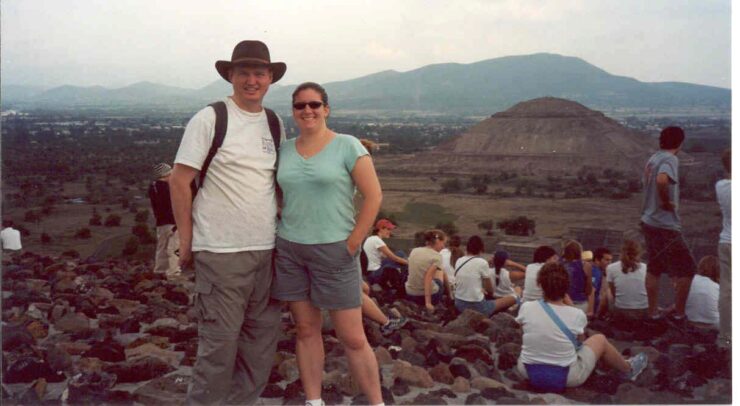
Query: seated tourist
x=371, y=310
x=384, y=267
x=472, y=278
x=450, y=254
x=503, y=278
x=427, y=282
x=702, y=305
x=543, y=254
x=626, y=279
x=579, y=272
x=554, y=355
x=599, y=298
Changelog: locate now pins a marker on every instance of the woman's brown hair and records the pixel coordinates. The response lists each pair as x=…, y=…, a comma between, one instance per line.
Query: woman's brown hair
x=554, y=281
x=455, y=251
x=572, y=250
x=630, y=255
x=432, y=235
x=709, y=267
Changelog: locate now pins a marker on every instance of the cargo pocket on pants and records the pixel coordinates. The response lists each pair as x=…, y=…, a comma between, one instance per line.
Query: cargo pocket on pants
x=203, y=289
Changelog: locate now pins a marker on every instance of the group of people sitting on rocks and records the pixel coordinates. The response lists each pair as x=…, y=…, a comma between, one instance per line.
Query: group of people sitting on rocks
x=560, y=295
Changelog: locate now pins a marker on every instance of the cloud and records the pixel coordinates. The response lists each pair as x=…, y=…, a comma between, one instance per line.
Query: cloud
x=379, y=51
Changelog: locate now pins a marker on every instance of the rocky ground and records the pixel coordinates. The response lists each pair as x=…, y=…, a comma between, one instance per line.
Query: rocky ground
x=113, y=332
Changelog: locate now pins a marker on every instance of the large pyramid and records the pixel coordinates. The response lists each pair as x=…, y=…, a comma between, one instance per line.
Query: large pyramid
x=546, y=135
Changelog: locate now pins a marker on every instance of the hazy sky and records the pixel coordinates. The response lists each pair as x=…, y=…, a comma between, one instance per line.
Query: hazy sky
x=117, y=43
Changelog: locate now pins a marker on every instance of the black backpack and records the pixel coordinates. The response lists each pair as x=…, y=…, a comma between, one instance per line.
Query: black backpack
x=222, y=123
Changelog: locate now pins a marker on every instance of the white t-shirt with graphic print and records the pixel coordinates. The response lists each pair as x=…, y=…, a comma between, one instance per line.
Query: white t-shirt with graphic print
x=235, y=208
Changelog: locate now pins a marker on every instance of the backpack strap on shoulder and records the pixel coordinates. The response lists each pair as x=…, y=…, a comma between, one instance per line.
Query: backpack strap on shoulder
x=550, y=312
x=219, y=132
x=274, y=123
x=463, y=264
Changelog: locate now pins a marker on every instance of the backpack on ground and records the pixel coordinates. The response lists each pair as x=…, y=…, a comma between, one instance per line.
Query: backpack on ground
x=222, y=123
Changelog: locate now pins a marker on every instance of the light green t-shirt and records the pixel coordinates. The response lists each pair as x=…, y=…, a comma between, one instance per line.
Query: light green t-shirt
x=318, y=192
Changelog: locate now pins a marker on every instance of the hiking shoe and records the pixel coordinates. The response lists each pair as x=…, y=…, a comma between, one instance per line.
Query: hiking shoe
x=637, y=365
x=393, y=325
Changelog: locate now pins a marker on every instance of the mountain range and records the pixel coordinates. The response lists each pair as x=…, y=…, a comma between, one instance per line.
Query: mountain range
x=482, y=87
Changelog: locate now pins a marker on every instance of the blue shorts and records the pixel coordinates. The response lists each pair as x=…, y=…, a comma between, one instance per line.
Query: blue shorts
x=486, y=307
x=436, y=297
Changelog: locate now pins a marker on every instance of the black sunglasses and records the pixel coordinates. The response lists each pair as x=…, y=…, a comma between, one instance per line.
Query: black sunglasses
x=312, y=104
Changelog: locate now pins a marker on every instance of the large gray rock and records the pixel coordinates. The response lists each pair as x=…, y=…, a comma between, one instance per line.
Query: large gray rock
x=441, y=373
x=73, y=323
x=465, y=324
x=288, y=369
x=383, y=356
x=412, y=375
x=172, y=358
x=508, y=355
x=460, y=385
x=481, y=382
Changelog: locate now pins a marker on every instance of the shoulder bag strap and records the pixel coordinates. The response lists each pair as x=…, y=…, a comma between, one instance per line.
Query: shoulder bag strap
x=550, y=312
x=462, y=265
x=219, y=132
x=274, y=123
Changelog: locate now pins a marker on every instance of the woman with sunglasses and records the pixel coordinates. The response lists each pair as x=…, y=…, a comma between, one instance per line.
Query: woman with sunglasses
x=317, y=262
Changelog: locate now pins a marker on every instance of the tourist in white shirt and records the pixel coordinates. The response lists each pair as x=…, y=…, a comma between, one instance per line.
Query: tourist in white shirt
x=724, y=252
x=545, y=344
x=626, y=279
x=503, y=278
x=450, y=254
x=543, y=254
x=702, y=304
x=383, y=266
x=473, y=279
x=10, y=238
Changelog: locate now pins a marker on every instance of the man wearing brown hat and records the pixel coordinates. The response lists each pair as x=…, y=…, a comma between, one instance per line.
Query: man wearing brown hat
x=228, y=233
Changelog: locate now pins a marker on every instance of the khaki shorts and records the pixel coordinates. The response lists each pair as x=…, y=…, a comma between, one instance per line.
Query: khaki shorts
x=324, y=274
x=578, y=371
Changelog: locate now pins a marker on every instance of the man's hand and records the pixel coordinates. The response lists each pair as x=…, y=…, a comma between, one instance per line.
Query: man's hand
x=430, y=307
x=186, y=256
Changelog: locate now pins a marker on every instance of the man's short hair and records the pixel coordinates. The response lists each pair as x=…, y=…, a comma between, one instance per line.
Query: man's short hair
x=671, y=137
x=543, y=253
x=727, y=159
x=554, y=281
x=475, y=245
x=600, y=252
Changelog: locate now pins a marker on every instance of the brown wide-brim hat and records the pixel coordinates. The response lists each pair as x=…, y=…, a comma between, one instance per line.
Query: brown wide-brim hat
x=251, y=53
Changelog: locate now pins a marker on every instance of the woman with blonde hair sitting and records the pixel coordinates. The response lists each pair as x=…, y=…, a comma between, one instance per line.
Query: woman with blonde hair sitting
x=626, y=279
x=427, y=282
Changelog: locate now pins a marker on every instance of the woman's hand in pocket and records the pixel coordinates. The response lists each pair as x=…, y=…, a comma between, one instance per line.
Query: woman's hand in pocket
x=353, y=244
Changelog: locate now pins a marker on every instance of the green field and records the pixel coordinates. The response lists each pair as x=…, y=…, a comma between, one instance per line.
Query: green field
x=425, y=214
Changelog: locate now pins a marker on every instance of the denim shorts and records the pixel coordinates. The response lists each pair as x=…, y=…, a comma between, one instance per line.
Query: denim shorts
x=324, y=274
x=667, y=252
x=486, y=307
x=436, y=297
